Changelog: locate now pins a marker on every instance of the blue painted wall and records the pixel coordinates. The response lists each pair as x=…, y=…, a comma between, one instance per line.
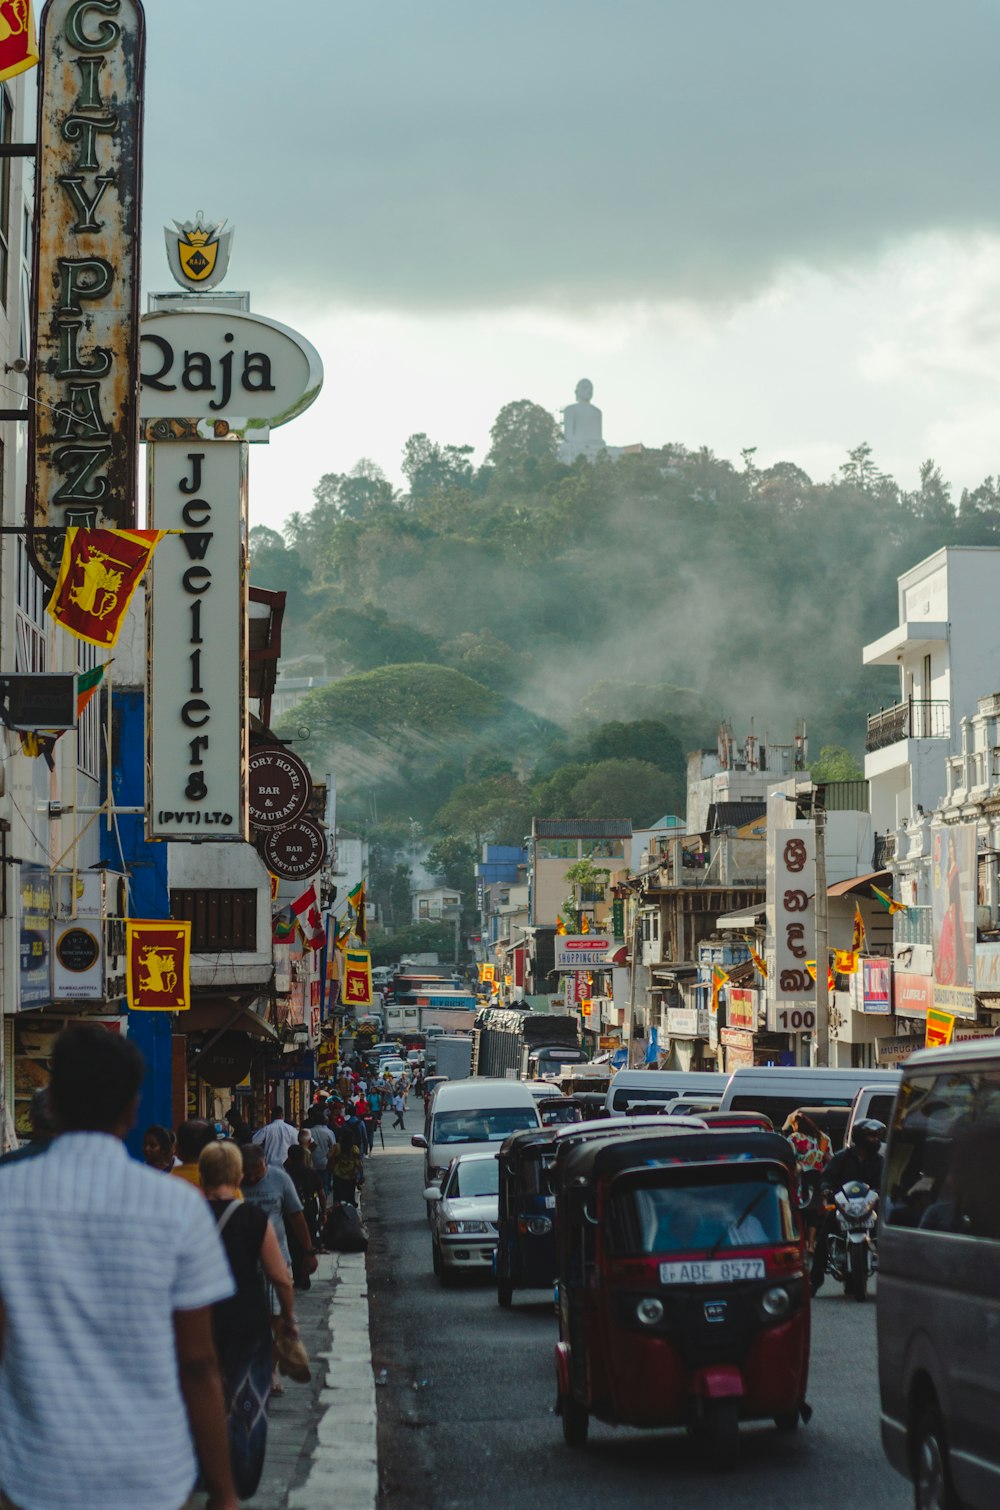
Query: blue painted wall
x=146, y=865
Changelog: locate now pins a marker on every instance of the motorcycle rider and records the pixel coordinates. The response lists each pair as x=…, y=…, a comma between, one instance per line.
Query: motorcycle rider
x=861, y=1161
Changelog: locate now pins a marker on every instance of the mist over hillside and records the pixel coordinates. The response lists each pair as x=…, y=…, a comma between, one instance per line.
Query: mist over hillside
x=486, y=622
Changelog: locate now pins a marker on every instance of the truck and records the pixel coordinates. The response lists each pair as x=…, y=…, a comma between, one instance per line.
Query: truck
x=418, y=959
x=452, y=1056
x=507, y=1038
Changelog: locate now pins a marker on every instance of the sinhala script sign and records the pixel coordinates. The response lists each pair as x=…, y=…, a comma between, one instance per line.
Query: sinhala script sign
x=583, y=951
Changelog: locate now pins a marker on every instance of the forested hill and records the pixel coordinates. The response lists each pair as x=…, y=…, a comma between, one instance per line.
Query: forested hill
x=558, y=604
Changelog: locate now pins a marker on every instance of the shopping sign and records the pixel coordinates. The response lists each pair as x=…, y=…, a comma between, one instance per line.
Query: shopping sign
x=582, y=951
x=794, y=899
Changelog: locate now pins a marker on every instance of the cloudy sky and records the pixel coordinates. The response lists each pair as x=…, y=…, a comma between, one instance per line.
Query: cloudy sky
x=749, y=222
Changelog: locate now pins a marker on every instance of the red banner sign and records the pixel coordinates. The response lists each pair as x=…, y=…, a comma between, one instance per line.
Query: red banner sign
x=159, y=966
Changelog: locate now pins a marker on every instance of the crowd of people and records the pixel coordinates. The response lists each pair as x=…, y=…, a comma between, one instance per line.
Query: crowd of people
x=142, y=1317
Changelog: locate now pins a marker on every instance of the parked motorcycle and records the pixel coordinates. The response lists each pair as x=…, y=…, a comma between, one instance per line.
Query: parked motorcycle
x=851, y=1250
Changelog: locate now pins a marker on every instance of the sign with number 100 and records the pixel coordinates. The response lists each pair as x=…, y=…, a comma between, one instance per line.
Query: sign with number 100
x=794, y=911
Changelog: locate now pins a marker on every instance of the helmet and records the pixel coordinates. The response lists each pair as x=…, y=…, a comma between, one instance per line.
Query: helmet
x=868, y=1127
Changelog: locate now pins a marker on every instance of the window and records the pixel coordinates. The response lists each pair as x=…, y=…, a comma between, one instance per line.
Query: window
x=604, y=849
x=945, y=1142
x=558, y=849
x=223, y=920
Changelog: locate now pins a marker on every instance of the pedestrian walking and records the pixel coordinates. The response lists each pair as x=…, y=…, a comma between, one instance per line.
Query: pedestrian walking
x=347, y=1168
x=192, y=1136
x=241, y=1325
x=276, y=1138
x=273, y=1192
x=157, y=1149
x=399, y=1109
x=110, y=1392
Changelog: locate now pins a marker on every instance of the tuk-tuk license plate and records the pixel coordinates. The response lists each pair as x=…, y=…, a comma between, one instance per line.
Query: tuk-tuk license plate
x=711, y=1271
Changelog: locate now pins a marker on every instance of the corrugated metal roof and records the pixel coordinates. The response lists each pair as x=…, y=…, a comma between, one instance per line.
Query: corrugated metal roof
x=583, y=828
x=734, y=814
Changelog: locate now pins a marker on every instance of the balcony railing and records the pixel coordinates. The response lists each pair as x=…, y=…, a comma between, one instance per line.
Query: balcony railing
x=916, y=718
x=885, y=851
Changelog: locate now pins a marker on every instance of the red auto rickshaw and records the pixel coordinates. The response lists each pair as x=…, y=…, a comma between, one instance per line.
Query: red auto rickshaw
x=683, y=1284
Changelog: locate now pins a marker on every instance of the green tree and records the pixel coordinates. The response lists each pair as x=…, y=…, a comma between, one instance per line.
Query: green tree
x=495, y=808
x=522, y=432
x=428, y=466
x=452, y=861
x=835, y=763
x=389, y=946
x=646, y=739
x=625, y=789
x=363, y=638
x=357, y=492
x=588, y=883
x=273, y=565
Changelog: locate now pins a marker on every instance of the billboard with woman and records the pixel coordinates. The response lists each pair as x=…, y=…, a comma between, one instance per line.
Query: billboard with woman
x=953, y=904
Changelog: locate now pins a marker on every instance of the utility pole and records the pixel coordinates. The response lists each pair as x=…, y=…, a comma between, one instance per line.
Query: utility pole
x=822, y=933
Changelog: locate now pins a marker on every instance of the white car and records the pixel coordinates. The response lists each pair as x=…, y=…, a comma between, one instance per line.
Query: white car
x=464, y=1211
x=393, y=1067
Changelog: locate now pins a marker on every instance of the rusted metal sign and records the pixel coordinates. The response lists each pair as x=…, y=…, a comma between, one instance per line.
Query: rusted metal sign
x=83, y=425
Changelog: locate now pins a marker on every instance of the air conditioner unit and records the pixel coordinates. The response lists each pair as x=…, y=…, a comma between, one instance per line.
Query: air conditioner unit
x=43, y=701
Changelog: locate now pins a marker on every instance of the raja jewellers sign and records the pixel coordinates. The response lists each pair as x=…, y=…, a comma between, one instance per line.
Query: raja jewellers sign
x=83, y=423
x=197, y=665
x=211, y=381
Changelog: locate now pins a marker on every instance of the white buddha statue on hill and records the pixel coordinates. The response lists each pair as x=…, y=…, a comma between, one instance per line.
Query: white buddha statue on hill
x=582, y=426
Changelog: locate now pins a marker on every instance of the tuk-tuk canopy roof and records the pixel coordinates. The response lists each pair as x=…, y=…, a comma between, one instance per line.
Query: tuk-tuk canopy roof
x=673, y=1147
x=525, y=1144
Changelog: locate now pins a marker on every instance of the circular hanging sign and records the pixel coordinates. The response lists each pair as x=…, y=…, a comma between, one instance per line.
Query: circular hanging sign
x=228, y=1061
x=77, y=950
x=279, y=787
x=296, y=851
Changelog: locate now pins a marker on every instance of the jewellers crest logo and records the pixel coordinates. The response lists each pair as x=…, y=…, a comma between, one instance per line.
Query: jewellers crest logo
x=198, y=252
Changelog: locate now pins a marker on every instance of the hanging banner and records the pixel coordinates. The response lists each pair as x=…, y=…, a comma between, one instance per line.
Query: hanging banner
x=159, y=965
x=98, y=575
x=196, y=631
x=953, y=917
x=18, y=47
x=940, y=1027
x=877, y=986
x=487, y=973
x=357, y=990
x=83, y=423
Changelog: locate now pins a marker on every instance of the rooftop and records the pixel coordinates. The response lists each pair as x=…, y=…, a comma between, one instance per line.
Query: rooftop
x=582, y=828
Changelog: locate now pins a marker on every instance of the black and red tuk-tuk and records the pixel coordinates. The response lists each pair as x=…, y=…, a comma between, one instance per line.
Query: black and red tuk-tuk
x=682, y=1283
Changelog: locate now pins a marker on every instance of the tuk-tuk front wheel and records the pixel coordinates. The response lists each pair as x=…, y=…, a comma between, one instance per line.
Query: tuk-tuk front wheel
x=505, y=1293
x=721, y=1432
x=575, y=1422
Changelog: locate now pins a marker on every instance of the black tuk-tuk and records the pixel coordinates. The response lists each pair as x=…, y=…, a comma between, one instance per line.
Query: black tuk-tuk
x=682, y=1282
x=526, y=1245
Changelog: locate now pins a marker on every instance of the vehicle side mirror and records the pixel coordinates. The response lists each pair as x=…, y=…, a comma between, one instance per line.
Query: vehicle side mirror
x=418, y=1140
x=432, y=1193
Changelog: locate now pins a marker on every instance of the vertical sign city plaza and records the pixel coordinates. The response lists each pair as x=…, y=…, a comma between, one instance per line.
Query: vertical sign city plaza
x=83, y=425
x=213, y=380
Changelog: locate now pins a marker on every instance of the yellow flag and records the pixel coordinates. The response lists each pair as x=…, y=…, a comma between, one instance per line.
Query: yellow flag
x=584, y=923
x=858, y=942
x=845, y=962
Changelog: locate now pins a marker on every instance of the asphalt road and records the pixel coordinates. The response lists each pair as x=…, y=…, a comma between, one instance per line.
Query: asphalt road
x=466, y=1409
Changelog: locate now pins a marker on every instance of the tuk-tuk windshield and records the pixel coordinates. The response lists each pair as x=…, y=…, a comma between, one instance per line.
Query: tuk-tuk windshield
x=702, y=1211
x=485, y=1125
x=536, y=1175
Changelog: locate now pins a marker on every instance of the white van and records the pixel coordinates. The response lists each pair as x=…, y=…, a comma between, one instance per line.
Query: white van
x=777, y=1090
x=631, y=1086
x=471, y=1116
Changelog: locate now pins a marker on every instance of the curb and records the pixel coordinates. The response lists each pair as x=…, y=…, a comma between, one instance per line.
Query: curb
x=344, y=1465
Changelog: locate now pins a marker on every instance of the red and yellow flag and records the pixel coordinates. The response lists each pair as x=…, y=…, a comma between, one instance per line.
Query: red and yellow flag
x=560, y=927
x=758, y=961
x=98, y=575
x=939, y=1029
x=858, y=941
x=357, y=988
x=159, y=965
x=845, y=962
x=719, y=979
x=487, y=974
x=18, y=42
x=584, y=923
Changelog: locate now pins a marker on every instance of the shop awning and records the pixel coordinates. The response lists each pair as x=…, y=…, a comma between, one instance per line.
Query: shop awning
x=882, y=878
x=219, y=1016
x=753, y=918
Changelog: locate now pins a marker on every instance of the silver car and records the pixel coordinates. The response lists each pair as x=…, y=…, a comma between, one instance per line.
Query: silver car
x=463, y=1212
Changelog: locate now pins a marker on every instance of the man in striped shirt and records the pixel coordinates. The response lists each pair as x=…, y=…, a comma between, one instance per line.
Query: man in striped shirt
x=109, y=1384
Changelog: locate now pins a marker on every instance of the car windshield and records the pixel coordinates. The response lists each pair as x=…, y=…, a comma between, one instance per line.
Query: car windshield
x=473, y=1177
x=717, y=1212
x=485, y=1125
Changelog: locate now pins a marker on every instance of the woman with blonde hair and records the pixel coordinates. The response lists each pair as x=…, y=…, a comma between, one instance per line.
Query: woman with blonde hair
x=241, y=1325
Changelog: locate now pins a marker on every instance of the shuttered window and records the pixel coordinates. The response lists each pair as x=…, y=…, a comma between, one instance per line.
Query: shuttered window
x=222, y=920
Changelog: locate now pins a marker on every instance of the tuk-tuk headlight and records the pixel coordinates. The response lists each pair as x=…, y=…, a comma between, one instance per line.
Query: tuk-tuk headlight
x=650, y=1310
x=776, y=1302
x=538, y=1225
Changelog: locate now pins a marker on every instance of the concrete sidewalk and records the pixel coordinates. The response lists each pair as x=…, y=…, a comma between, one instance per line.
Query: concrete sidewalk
x=321, y=1447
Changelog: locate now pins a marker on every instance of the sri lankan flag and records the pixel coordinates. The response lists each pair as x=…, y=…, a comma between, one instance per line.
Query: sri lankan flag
x=810, y=965
x=719, y=979
x=888, y=902
x=98, y=575
x=584, y=923
x=858, y=941
x=18, y=43
x=758, y=961
x=845, y=962
x=356, y=901
x=560, y=926
x=357, y=990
